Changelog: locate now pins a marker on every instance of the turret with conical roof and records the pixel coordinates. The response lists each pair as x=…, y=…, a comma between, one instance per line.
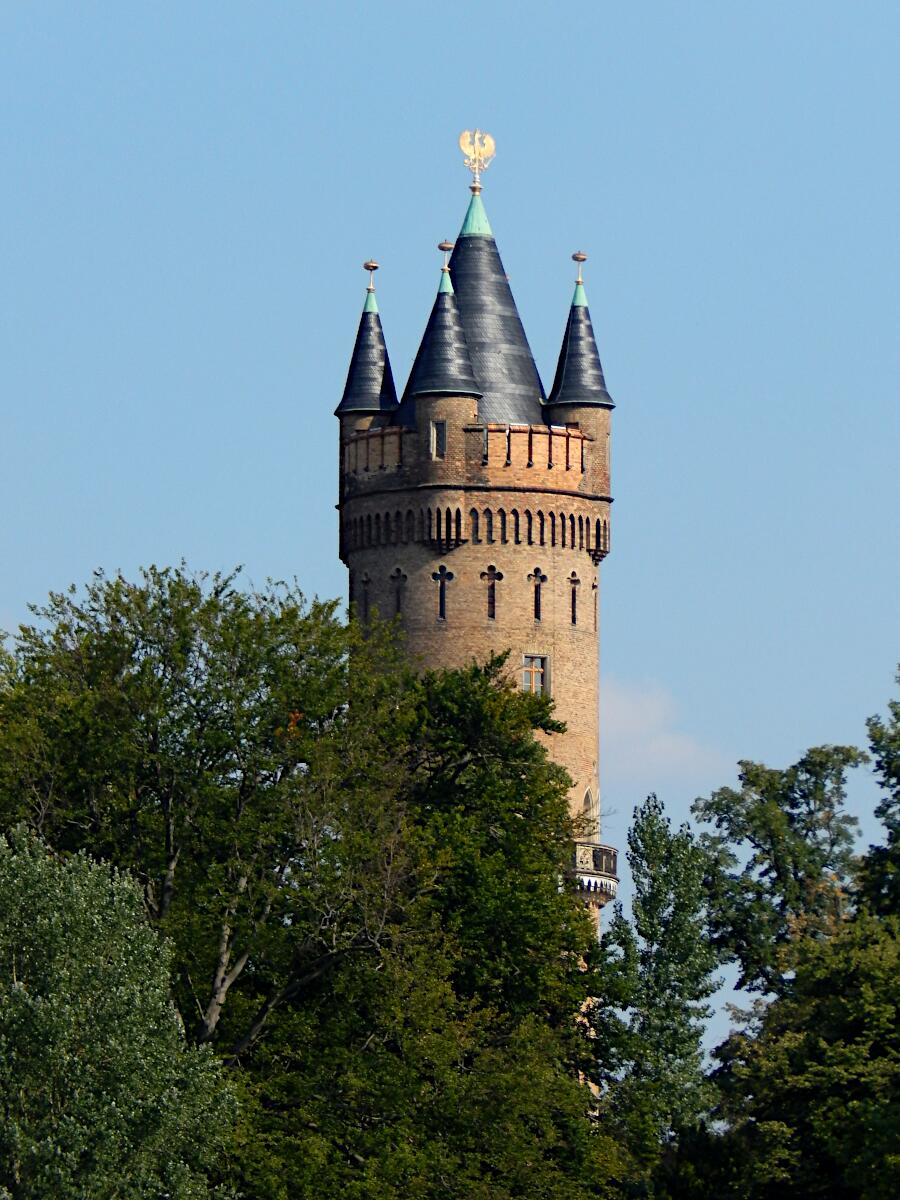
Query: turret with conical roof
x=370, y=381
x=579, y=375
x=477, y=513
x=442, y=365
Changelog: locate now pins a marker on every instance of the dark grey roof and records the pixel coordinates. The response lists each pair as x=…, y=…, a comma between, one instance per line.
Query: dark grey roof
x=370, y=381
x=579, y=375
x=442, y=365
x=504, y=368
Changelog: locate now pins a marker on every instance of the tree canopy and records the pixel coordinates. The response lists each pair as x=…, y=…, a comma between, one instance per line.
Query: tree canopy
x=100, y=1094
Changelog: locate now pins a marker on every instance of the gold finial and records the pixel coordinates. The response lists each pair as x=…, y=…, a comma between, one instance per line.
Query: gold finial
x=580, y=257
x=371, y=266
x=445, y=247
x=478, y=149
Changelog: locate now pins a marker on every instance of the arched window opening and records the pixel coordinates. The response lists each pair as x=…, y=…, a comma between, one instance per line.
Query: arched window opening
x=581, y=533
x=540, y=520
x=501, y=513
x=457, y=526
x=378, y=529
x=529, y=527
x=368, y=529
x=574, y=585
x=553, y=529
x=365, y=597
x=491, y=577
x=488, y=525
x=473, y=526
x=571, y=531
x=562, y=530
x=537, y=578
x=410, y=526
x=588, y=815
x=515, y=522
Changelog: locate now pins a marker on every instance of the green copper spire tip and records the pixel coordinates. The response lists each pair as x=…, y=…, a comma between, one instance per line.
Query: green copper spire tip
x=476, y=223
x=579, y=300
x=371, y=304
x=445, y=285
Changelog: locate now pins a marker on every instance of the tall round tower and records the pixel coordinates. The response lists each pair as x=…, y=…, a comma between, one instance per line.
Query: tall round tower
x=477, y=509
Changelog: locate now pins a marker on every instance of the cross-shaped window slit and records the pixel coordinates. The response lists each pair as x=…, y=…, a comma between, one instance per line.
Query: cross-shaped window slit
x=538, y=579
x=442, y=577
x=398, y=579
x=492, y=577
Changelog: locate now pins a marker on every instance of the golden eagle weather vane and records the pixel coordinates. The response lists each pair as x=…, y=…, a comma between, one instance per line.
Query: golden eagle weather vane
x=478, y=149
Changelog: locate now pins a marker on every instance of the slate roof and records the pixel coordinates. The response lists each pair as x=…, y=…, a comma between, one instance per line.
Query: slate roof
x=370, y=381
x=579, y=375
x=442, y=365
x=504, y=368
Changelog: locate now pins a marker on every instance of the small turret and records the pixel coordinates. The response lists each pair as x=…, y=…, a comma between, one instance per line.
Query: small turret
x=442, y=366
x=579, y=375
x=370, y=382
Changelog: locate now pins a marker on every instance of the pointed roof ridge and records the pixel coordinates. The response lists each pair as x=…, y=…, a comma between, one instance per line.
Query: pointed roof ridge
x=579, y=373
x=442, y=365
x=476, y=223
x=504, y=367
x=370, y=380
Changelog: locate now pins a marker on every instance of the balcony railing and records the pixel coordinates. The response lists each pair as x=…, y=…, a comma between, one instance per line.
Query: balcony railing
x=595, y=868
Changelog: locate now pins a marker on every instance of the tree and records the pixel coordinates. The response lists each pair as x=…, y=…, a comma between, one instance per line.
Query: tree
x=880, y=871
x=449, y=1066
x=99, y=1093
x=662, y=969
x=810, y=1086
x=193, y=734
x=362, y=875
x=782, y=851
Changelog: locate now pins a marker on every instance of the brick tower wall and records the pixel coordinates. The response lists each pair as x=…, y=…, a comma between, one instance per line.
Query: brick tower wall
x=514, y=504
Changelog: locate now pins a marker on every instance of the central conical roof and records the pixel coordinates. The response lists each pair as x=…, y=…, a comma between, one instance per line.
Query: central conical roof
x=505, y=372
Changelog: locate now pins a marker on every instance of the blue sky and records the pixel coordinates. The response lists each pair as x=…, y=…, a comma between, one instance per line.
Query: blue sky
x=189, y=191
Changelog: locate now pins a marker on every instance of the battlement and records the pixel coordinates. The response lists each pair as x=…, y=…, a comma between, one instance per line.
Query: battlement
x=546, y=458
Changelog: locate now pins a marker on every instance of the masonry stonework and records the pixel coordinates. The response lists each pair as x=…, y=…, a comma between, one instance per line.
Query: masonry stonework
x=485, y=536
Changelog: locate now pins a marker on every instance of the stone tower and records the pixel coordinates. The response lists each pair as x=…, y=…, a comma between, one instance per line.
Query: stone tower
x=476, y=508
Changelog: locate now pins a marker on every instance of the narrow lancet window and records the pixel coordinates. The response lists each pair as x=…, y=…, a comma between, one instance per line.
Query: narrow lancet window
x=574, y=585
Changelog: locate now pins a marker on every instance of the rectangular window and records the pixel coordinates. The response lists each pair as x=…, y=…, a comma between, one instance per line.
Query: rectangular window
x=438, y=439
x=535, y=673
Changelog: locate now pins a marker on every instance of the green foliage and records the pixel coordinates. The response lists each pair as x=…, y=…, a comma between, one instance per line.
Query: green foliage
x=359, y=872
x=810, y=1089
x=660, y=974
x=880, y=873
x=99, y=1093
x=781, y=853
x=809, y=1082
x=185, y=730
x=448, y=1067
